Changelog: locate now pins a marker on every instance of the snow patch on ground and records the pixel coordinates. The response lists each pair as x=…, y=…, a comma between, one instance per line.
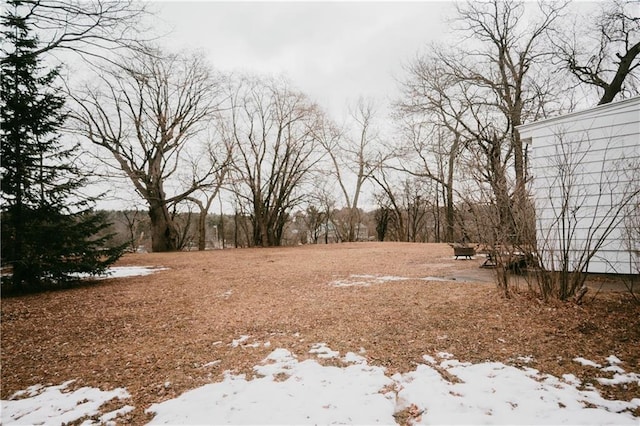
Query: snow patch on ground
x=227, y=294
x=613, y=360
x=619, y=378
x=526, y=359
x=118, y=272
x=323, y=351
x=56, y=405
x=239, y=341
x=286, y=390
x=369, y=280
x=289, y=392
x=123, y=272
x=494, y=393
x=586, y=362
x=242, y=342
x=130, y=271
x=365, y=280
x=444, y=391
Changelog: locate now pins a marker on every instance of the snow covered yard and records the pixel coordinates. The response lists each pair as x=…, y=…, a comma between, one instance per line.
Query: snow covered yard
x=285, y=390
x=232, y=337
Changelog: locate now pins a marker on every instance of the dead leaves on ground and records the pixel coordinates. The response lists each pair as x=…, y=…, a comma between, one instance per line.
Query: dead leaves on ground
x=143, y=332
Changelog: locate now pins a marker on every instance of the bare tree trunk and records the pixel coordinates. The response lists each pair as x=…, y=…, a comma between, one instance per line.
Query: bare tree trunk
x=235, y=229
x=202, y=221
x=144, y=112
x=204, y=208
x=436, y=217
x=260, y=225
x=131, y=221
x=624, y=68
x=221, y=229
x=450, y=209
x=520, y=191
x=202, y=230
x=164, y=235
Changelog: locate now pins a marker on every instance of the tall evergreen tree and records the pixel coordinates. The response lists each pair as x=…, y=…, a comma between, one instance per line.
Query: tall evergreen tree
x=49, y=232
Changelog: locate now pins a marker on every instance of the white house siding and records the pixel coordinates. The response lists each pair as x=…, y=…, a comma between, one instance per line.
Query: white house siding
x=603, y=147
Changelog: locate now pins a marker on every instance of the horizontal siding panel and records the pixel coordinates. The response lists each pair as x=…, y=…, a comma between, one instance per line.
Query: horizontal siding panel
x=602, y=154
x=586, y=134
x=580, y=222
x=586, y=204
x=612, y=245
x=603, y=151
x=552, y=189
x=603, y=262
x=620, y=174
x=621, y=112
x=623, y=158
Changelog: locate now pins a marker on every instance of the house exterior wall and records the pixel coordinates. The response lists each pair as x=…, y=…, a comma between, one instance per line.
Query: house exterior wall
x=584, y=166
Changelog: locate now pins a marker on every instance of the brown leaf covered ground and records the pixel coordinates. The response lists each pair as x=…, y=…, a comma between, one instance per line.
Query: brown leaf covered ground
x=141, y=332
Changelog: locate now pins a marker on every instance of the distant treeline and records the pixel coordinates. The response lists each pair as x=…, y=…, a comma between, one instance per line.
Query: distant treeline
x=417, y=223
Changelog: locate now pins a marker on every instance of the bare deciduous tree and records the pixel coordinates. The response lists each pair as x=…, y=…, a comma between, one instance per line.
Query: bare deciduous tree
x=144, y=113
x=392, y=205
x=510, y=50
x=314, y=220
x=323, y=195
x=217, y=156
x=470, y=98
x=605, y=51
x=132, y=219
x=430, y=150
x=90, y=29
x=382, y=216
x=453, y=125
x=273, y=128
x=406, y=211
x=353, y=159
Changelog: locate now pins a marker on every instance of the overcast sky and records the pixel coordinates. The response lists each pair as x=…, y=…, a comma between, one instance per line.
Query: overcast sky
x=332, y=51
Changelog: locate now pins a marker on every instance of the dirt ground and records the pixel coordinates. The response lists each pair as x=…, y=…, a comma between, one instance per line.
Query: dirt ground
x=142, y=332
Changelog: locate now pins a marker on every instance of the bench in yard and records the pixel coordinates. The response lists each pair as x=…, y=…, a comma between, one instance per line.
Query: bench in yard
x=464, y=252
